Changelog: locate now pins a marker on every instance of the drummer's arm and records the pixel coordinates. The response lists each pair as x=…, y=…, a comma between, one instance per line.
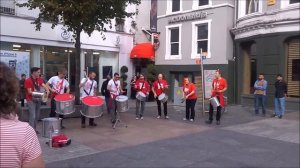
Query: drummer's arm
x=29, y=91
x=68, y=89
x=153, y=91
x=46, y=88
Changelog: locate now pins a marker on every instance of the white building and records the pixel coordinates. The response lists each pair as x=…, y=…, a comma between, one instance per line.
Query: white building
x=52, y=49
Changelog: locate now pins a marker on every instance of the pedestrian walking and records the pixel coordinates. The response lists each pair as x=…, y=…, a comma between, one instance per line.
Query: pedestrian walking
x=22, y=90
x=105, y=92
x=219, y=86
x=280, y=94
x=19, y=145
x=260, y=87
x=190, y=97
x=59, y=86
x=159, y=88
x=89, y=88
x=132, y=84
x=143, y=87
x=34, y=84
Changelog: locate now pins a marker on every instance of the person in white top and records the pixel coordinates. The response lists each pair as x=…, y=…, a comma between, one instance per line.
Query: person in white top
x=115, y=89
x=59, y=86
x=89, y=88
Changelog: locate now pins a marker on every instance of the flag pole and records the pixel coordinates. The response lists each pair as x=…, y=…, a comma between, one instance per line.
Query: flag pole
x=202, y=79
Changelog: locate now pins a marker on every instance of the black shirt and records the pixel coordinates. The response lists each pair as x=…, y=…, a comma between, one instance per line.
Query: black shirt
x=280, y=89
x=104, y=90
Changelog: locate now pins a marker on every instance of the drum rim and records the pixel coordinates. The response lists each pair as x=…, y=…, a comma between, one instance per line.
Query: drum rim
x=89, y=116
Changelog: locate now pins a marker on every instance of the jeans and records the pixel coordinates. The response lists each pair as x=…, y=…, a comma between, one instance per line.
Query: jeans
x=107, y=104
x=34, y=113
x=260, y=101
x=159, y=107
x=279, y=106
x=138, y=112
x=190, y=104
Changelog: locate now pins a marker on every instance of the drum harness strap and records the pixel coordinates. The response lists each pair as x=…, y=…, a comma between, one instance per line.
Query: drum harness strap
x=59, y=90
x=35, y=84
x=142, y=85
x=90, y=89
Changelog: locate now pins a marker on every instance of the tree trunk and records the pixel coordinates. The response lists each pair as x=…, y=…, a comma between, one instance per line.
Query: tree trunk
x=77, y=64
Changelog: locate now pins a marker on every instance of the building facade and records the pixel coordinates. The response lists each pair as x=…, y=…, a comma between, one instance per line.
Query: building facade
x=187, y=28
x=52, y=49
x=267, y=41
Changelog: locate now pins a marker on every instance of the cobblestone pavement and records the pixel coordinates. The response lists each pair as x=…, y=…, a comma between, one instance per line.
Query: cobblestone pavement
x=242, y=140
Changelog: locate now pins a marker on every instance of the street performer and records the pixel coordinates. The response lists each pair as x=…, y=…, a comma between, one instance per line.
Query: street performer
x=141, y=85
x=160, y=86
x=89, y=88
x=219, y=86
x=34, y=84
x=115, y=89
x=59, y=85
x=190, y=97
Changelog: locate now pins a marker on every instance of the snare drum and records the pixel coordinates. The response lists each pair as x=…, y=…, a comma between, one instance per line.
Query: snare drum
x=163, y=98
x=122, y=103
x=141, y=96
x=214, y=102
x=65, y=103
x=92, y=106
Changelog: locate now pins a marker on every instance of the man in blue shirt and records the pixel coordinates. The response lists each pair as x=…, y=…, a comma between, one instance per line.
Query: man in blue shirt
x=260, y=88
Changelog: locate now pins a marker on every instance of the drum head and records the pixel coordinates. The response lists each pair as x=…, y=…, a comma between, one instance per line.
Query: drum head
x=122, y=98
x=64, y=97
x=161, y=96
x=92, y=101
x=142, y=94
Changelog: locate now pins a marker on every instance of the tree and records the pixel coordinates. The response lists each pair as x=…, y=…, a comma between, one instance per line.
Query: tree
x=78, y=16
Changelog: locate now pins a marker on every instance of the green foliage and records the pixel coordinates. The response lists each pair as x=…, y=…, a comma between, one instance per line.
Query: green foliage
x=151, y=72
x=124, y=69
x=124, y=76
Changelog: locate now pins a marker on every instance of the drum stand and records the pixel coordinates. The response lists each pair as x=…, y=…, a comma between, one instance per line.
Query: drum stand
x=118, y=121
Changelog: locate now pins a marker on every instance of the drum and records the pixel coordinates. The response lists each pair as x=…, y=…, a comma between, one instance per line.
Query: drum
x=214, y=102
x=122, y=103
x=51, y=126
x=92, y=106
x=163, y=98
x=140, y=96
x=65, y=103
x=39, y=96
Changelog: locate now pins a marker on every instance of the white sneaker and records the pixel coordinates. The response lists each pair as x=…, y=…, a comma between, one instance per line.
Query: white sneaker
x=166, y=117
x=136, y=118
x=184, y=119
x=158, y=117
x=142, y=118
x=191, y=120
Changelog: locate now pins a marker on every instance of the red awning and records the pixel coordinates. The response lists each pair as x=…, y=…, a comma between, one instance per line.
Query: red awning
x=143, y=50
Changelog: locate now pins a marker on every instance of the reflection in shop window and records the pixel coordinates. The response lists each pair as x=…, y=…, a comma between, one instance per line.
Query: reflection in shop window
x=203, y=2
x=252, y=6
x=294, y=1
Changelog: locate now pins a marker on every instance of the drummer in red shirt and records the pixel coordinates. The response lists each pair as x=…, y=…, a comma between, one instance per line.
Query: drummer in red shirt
x=219, y=86
x=160, y=86
x=141, y=85
x=190, y=96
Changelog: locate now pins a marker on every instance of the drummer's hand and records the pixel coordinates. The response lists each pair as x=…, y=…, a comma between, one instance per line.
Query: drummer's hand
x=155, y=95
x=186, y=96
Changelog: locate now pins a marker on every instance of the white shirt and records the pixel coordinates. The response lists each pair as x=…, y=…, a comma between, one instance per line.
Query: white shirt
x=114, y=87
x=88, y=86
x=57, y=84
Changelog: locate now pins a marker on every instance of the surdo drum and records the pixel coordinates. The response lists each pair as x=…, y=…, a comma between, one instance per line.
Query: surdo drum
x=122, y=103
x=163, y=98
x=92, y=106
x=214, y=102
x=65, y=103
x=141, y=96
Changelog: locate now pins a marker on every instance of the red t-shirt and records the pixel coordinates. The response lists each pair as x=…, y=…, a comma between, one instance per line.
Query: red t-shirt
x=218, y=84
x=160, y=87
x=187, y=89
x=29, y=84
x=139, y=84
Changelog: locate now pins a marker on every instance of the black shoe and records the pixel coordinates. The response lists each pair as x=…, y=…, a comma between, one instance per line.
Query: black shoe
x=62, y=127
x=82, y=125
x=218, y=122
x=273, y=115
x=93, y=124
x=113, y=121
x=280, y=116
x=37, y=132
x=208, y=121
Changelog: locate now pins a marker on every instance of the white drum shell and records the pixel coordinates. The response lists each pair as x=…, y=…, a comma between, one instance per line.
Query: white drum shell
x=214, y=102
x=163, y=98
x=122, y=103
x=50, y=125
x=65, y=107
x=140, y=96
x=91, y=111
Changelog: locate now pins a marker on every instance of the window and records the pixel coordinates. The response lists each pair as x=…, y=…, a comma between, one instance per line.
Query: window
x=294, y=1
x=201, y=36
x=173, y=38
x=175, y=5
x=120, y=25
x=7, y=7
x=202, y=2
x=252, y=6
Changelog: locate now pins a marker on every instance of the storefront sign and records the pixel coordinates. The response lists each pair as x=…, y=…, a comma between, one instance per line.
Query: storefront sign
x=271, y=2
x=209, y=76
x=188, y=17
x=18, y=61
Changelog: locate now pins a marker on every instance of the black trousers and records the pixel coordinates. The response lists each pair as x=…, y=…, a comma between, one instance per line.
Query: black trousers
x=22, y=102
x=53, y=108
x=91, y=120
x=159, y=107
x=190, y=106
x=211, y=112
